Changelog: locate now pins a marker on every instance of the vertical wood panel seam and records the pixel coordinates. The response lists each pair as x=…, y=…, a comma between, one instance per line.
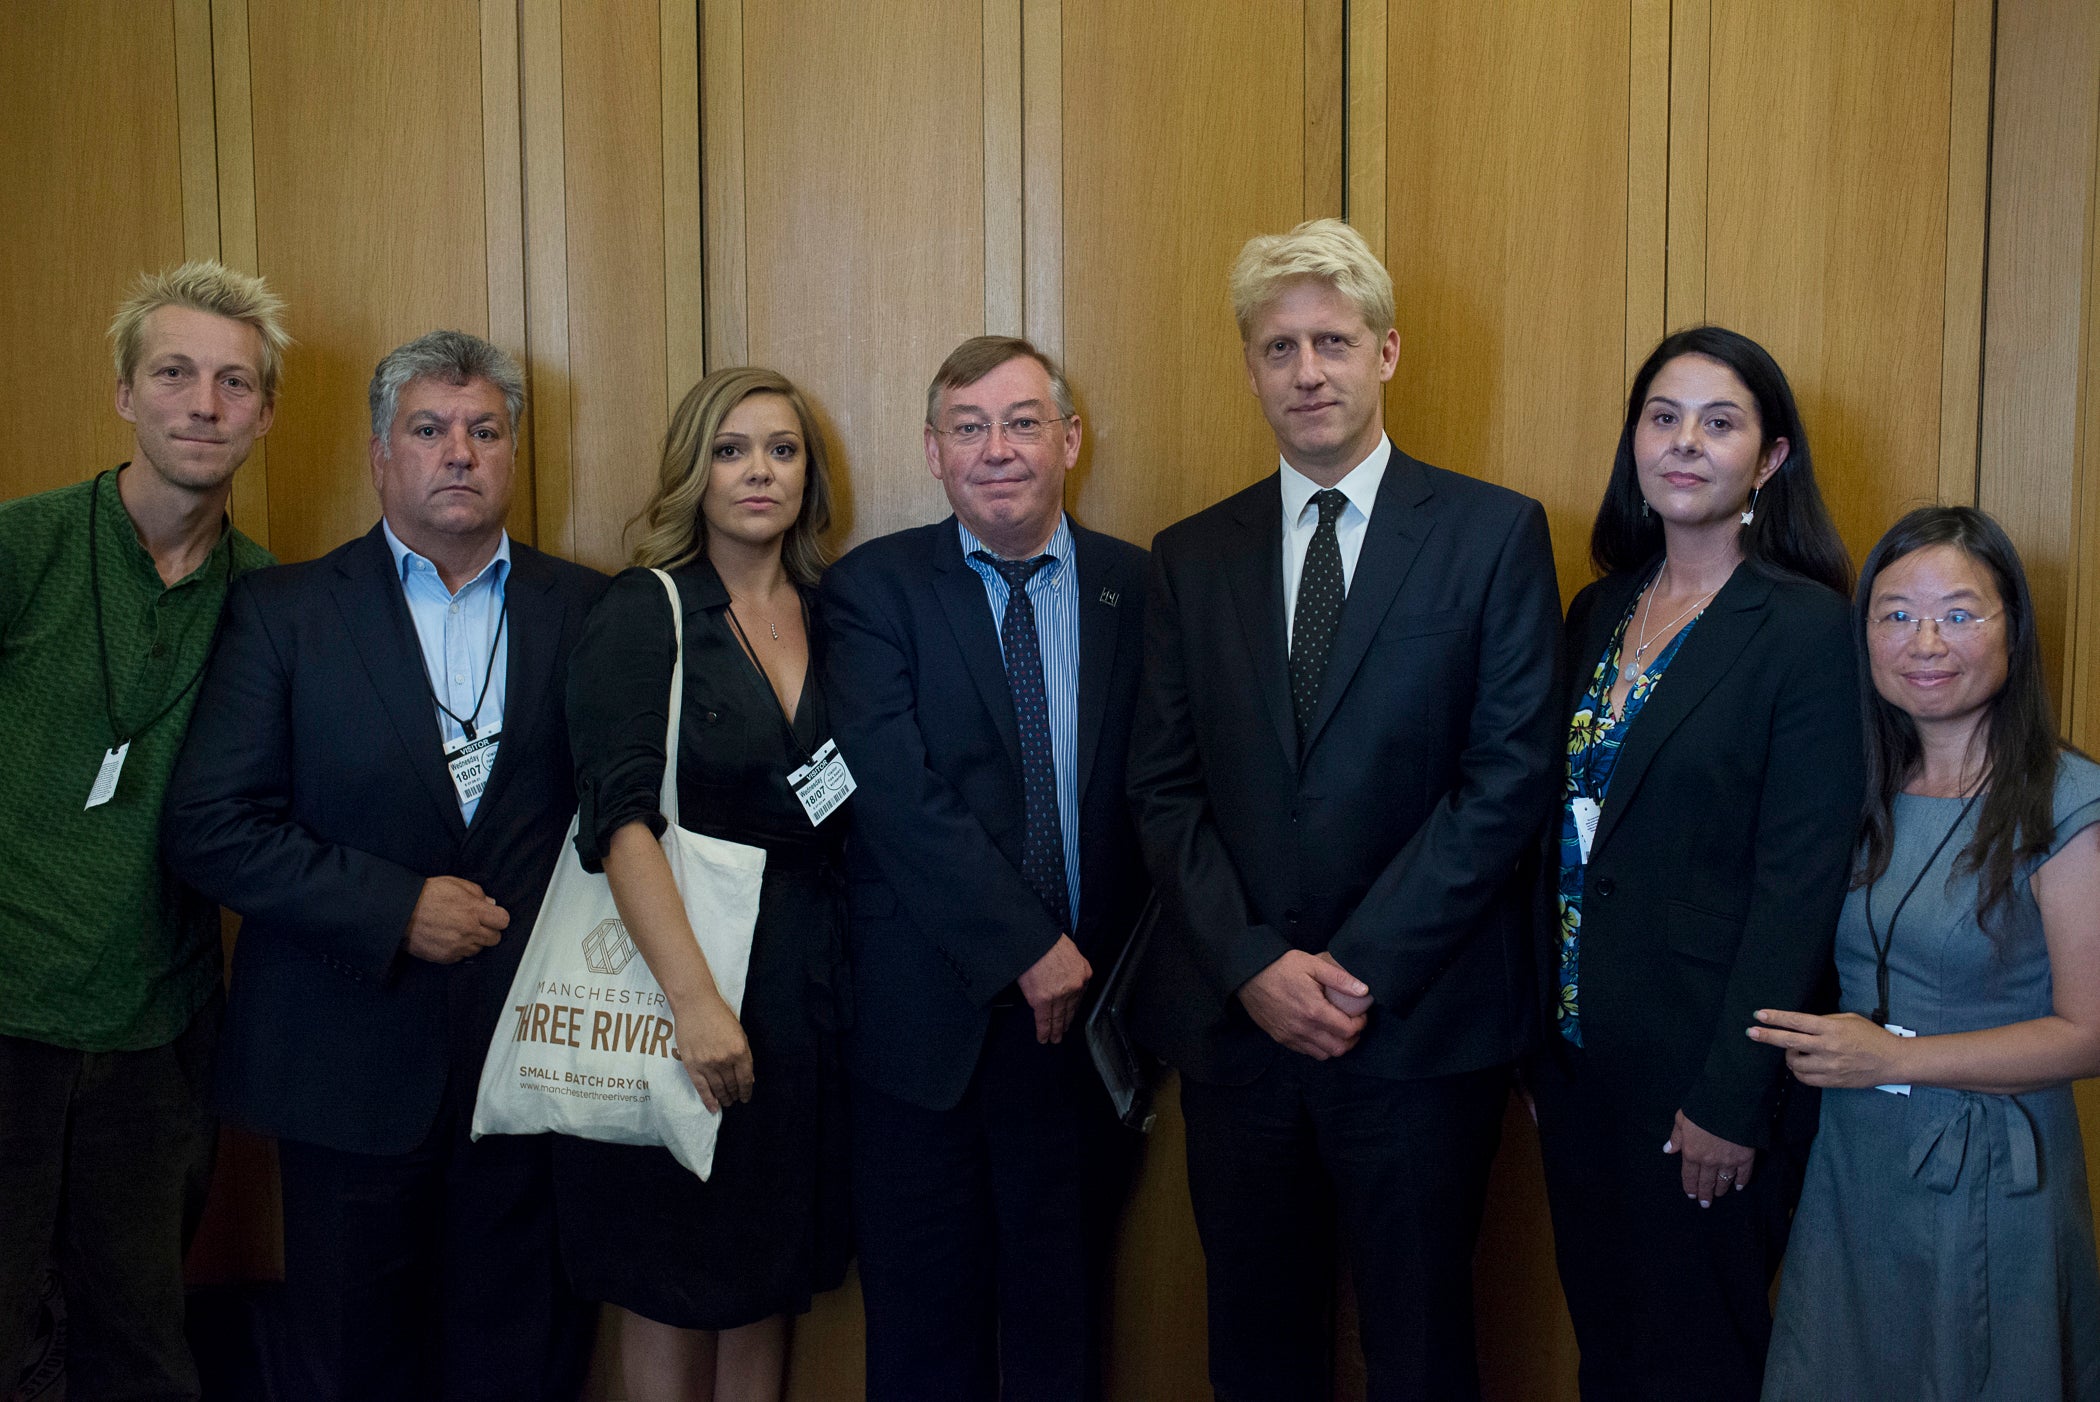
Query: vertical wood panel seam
x=2082, y=613
x=724, y=251
x=1043, y=174
x=685, y=276
x=546, y=251
x=233, y=129
x=1983, y=306
x=196, y=124
x=503, y=214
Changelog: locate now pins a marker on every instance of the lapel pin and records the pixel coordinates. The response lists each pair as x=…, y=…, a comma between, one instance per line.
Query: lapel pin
x=1109, y=597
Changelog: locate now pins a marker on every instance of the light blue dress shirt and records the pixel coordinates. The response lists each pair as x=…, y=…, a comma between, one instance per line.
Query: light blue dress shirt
x=1054, y=590
x=457, y=630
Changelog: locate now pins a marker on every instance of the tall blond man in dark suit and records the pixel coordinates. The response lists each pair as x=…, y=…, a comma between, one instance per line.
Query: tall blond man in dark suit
x=1344, y=746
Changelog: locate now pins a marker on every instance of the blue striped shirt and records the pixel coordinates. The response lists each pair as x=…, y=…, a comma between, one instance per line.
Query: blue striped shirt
x=1054, y=590
x=457, y=631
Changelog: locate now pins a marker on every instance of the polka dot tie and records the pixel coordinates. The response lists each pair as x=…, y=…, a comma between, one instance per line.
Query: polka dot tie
x=1321, y=593
x=1042, y=837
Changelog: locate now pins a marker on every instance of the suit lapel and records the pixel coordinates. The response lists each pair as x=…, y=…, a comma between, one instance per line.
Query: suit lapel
x=529, y=668
x=1098, y=620
x=1717, y=642
x=962, y=596
x=1392, y=539
x=368, y=594
x=1254, y=573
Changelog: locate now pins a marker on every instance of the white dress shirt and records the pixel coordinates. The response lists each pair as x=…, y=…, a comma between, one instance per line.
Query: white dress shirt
x=1301, y=518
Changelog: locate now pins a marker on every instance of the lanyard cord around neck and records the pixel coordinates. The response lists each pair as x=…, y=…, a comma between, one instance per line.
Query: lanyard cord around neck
x=118, y=736
x=488, y=674
x=1883, y=944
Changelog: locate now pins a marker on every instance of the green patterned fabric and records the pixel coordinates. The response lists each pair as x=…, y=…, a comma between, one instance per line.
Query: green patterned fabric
x=100, y=949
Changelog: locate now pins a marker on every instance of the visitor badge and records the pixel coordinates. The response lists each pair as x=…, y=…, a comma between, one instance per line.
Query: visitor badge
x=470, y=762
x=1586, y=811
x=1900, y=1032
x=106, y=777
x=822, y=784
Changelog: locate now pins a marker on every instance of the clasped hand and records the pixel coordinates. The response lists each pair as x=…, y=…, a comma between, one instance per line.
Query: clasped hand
x=453, y=919
x=1290, y=1000
x=1843, y=1051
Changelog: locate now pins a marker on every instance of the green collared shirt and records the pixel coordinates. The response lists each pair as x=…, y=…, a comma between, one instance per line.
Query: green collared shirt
x=100, y=948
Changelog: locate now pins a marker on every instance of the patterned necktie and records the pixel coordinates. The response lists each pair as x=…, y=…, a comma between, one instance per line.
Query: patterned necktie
x=1321, y=593
x=1042, y=837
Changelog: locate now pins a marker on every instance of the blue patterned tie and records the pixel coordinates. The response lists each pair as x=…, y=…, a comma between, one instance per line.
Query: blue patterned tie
x=1321, y=594
x=1042, y=837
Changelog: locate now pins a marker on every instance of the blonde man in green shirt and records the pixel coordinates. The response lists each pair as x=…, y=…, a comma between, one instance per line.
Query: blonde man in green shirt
x=110, y=593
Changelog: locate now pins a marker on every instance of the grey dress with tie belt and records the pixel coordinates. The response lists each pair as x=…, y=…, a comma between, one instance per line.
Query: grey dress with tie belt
x=1944, y=1243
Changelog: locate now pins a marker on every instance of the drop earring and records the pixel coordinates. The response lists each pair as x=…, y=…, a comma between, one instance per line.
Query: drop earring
x=1644, y=508
x=1750, y=511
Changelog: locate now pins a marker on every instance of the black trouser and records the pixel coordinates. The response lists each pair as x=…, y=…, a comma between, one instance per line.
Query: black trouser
x=1670, y=1299
x=104, y=1159
x=1400, y=1167
x=984, y=1230
x=431, y=1274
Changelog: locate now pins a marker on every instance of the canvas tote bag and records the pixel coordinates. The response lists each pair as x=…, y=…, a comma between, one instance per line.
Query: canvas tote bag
x=586, y=1044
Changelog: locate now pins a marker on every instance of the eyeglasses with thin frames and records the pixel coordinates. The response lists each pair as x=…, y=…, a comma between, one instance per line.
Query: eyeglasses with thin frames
x=1956, y=625
x=1023, y=428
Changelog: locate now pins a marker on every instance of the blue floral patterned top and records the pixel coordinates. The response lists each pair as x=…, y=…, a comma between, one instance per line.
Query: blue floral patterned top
x=1594, y=738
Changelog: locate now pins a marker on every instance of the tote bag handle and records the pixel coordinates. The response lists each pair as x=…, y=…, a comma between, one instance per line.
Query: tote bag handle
x=667, y=800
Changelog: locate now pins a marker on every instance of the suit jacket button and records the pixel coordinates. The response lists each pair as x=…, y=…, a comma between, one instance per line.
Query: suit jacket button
x=1605, y=885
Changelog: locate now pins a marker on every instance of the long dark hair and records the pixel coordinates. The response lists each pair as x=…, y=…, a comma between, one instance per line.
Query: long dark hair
x=2016, y=819
x=1792, y=531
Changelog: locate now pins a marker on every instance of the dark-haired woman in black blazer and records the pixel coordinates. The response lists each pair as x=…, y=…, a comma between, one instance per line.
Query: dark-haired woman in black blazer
x=1711, y=799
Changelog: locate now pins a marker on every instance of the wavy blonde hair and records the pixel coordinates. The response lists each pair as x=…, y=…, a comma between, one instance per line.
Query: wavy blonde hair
x=674, y=531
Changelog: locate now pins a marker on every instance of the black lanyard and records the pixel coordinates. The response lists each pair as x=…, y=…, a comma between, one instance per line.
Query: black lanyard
x=1882, y=945
x=488, y=672
x=787, y=726
x=119, y=737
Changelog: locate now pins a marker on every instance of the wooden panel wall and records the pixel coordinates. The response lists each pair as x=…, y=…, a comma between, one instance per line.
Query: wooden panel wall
x=2040, y=269
x=1149, y=339
x=90, y=193
x=863, y=215
x=624, y=191
x=368, y=219
x=1826, y=236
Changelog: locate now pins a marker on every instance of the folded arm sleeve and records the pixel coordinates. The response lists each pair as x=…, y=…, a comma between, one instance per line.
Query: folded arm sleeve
x=227, y=827
x=619, y=697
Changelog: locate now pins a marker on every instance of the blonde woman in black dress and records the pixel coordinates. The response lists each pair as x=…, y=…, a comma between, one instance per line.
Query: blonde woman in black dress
x=709, y=1272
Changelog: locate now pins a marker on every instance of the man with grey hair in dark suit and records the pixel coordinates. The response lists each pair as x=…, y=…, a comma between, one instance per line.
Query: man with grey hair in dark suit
x=380, y=783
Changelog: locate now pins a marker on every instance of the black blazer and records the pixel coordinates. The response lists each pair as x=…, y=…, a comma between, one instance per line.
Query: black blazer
x=1395, y=840
x=312, y=798
x=1723, y=850
x=940, y=920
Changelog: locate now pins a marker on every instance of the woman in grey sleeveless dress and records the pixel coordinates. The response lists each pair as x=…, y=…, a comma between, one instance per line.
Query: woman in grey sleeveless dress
x=1944, y=1243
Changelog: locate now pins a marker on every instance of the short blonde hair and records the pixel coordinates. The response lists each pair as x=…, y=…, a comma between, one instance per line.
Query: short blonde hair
x=673, y=530
x=1323, y=248
x=204, y=285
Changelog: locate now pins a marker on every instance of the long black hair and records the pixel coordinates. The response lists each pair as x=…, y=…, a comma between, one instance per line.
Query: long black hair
x=2016, y=819
x=1792, y=531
